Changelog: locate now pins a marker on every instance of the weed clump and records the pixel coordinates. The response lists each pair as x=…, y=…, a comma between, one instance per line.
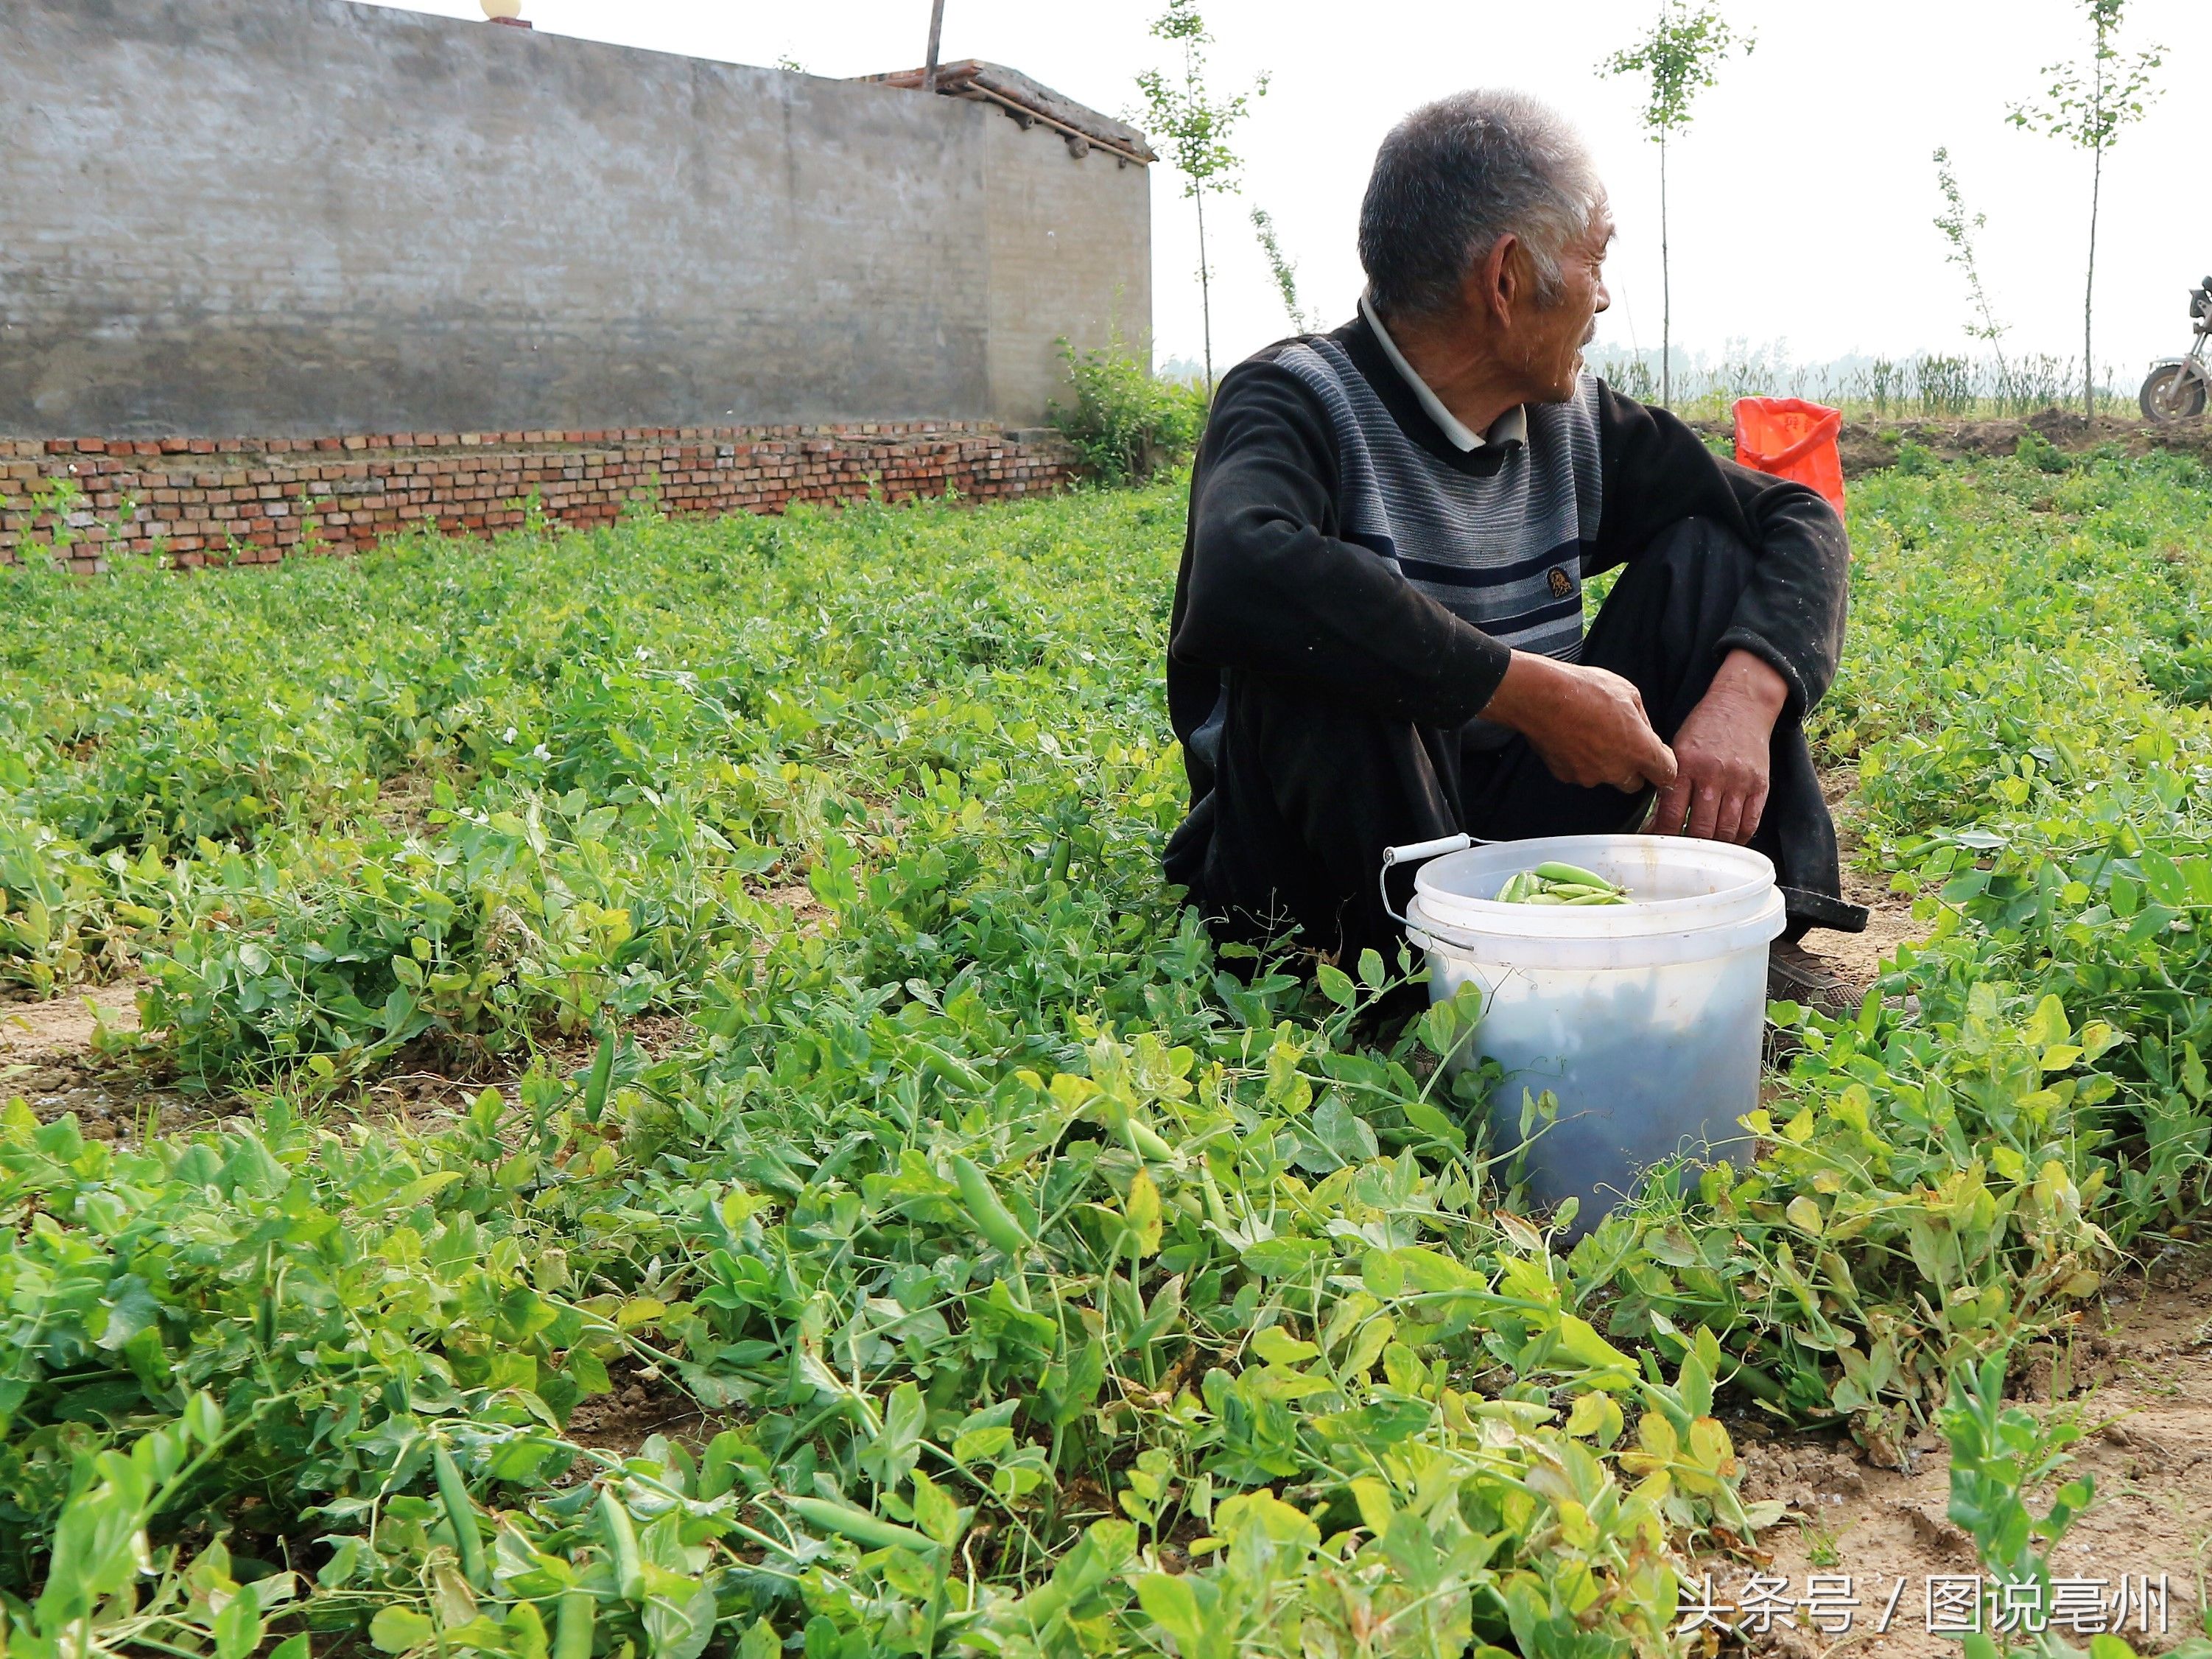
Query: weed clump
x=1124, y=424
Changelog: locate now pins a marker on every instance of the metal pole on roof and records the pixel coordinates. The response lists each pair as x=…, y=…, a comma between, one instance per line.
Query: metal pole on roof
x=936, y=29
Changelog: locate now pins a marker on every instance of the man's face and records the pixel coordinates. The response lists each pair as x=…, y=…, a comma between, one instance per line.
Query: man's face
x=1555, y=334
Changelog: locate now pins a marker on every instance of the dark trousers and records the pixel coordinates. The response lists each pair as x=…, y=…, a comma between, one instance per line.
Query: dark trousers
x=1310, y=787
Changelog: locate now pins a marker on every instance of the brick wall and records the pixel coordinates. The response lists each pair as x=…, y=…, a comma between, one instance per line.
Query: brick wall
x=207, y=500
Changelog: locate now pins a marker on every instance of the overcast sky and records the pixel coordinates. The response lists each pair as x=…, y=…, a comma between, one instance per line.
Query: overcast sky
x=1802, y=198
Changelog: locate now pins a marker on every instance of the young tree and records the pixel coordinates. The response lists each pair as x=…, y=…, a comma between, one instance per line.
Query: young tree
x=1286, y=273
x=1678, y=59
x=1194, y=127
x=2087, y=104
x=1959, y=229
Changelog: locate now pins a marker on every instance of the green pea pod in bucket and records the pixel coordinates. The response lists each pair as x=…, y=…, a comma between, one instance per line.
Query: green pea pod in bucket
x=1554, y=882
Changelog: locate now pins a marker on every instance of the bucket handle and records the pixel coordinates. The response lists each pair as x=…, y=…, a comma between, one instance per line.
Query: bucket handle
x=1419, y=851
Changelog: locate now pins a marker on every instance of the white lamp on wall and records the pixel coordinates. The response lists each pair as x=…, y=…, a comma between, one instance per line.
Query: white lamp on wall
x=500, y=10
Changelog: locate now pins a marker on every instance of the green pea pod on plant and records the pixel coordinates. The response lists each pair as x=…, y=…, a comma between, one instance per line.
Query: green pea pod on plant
x=602, y=1077
x=988, y=1209
x=1118, y=1117
x=620, y=1537
x=860, y=1525
x=1147, y=1142
x=573, y=1623
x=949, y=1069
x=1216, y=1211
x=460, y=1515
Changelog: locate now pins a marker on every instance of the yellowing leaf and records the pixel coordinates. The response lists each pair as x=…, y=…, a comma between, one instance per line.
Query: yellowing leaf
x=397, y=1629
x=1071, y=1090
x=2048, y=1025
x=1579, y=1341
x=1279, y=1347
x=1588, y=1416
x=1143, y=1211
x=1577, y=1531
x=1374, y=1336
x=1373, y=1499
x=1710, y=1447
x=1522, y=1237
x=1266, y=1515
x=1804, y=1215
x=1404, y=1370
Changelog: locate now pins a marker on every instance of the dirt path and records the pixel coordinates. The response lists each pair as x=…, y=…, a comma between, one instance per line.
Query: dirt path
x=47, y=1056
x=2142, y=1384
x=1859, y=956
x=34, y=1031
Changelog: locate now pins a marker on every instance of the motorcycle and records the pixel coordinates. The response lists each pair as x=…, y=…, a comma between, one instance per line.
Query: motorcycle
x=2178, y=386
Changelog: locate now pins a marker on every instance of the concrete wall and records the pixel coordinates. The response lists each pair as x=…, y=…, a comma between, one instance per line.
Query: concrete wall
x=309, y=216
x=1071, y=254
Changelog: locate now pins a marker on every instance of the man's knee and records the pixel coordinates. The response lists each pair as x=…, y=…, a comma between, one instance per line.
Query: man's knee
x=1699, y=552
x=1662, y=624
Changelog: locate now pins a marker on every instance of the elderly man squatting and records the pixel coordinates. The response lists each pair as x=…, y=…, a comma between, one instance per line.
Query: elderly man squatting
x=1377, y=636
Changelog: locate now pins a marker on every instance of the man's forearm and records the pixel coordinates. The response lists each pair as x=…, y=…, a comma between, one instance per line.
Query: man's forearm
x=1587, y=724
x=1533, y=685
x=1747, y=680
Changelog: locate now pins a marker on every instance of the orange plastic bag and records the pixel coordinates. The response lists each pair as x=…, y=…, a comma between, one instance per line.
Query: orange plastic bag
x=1789, y=438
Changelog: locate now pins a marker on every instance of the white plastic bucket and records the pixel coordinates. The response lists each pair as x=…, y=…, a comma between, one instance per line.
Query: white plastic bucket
x=1642, y=1019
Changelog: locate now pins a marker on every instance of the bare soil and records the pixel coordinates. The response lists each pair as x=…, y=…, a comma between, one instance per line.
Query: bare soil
x=2138, y=1376
x=48, y=1055
x=35, y=1031
x=403, y=802
x=1861, y=957
x=806, y=910
x=641, y=1404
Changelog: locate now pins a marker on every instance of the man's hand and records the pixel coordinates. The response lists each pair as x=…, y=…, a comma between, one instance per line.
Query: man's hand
x=1719, y=791
x=1587, y=724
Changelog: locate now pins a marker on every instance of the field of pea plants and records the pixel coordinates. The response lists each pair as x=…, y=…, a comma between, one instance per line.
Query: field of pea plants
x=876, y=1224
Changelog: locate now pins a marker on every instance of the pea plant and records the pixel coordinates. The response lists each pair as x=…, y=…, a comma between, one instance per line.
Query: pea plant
x=1012, y=1272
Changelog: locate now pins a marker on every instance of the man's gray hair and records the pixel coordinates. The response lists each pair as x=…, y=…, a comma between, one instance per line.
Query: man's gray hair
x=1457, y=175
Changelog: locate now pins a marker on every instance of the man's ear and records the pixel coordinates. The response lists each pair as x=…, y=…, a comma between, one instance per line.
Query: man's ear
x=1500, y=282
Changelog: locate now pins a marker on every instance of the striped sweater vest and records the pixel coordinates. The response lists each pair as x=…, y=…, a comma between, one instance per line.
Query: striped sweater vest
x=1502, y=549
